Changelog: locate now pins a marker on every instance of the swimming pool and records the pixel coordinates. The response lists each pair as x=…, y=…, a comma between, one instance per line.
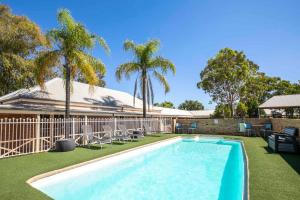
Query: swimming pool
x=192, y=168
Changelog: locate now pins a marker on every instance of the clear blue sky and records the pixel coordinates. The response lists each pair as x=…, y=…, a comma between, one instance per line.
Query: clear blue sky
x=191, y=32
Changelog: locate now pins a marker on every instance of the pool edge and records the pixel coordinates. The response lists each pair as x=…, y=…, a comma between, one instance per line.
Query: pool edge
x=246, y=195
x=57, y=171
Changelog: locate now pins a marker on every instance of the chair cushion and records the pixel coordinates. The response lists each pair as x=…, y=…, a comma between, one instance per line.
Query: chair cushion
x=268, y=126
x=248, y=125
x=291, y=131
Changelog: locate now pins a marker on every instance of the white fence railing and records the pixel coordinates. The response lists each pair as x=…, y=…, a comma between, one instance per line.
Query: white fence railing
x=32, y=135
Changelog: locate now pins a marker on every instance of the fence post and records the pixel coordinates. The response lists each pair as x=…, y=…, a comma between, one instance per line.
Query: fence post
x=85, y=130
x=51, y=130
x=142, y=125
x=174, y=126
x=115, y=124
x=161, y=125
x=73, y=128
x=37, y=133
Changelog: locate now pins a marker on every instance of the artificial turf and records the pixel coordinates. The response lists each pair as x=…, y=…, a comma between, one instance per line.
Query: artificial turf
x=272, y=176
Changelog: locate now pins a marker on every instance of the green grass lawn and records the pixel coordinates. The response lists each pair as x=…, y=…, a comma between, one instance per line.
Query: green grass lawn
x=272, y=176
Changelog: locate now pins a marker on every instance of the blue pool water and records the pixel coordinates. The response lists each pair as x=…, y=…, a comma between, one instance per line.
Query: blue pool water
x=208, y=169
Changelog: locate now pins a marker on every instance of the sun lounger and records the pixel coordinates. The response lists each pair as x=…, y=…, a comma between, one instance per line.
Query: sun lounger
x=96, y=138
x=130, y=133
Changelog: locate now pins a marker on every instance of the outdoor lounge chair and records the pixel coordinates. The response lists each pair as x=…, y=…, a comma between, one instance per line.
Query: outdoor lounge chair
x=96, y=138
x=286, y=141
x=179, y=128
x=118, y=135
x=193, y=127
x=267, y=130
x=130, y=133
x=249, y=130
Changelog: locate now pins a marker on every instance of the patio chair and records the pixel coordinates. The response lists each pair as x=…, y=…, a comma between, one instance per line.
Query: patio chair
x=249, y=130
x=130, y=133
x=109, y=131
x=179, y=128
x=267, y=130
x=193, y=127
x=121, y=135
x=96, y=138
x=285, y=141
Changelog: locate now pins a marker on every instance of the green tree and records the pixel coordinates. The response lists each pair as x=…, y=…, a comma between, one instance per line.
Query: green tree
x=80, y=78
x=20, y=40
x=222, y=111
x=165, y=104
x=72, y=45
x=191, y=105
x=261, y=87
x=145, y=64
x=226, y=75
x=241, y=110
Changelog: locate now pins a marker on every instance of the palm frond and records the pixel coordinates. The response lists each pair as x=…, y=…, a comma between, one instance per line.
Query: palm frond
x=85, y=65
x=126, y=70
x=97, y=64
x=44, y=62
x=147, y=50
x=65, y=19
x=152, y=46
x=129, y=45
x=162, y=80
x=163, y=64
x=103, y=43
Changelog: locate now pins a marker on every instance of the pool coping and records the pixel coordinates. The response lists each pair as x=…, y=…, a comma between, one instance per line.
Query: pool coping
x=246, y=193
x=57, y=171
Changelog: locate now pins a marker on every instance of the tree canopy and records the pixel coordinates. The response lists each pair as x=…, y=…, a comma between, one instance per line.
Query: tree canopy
x=226, y=76
x=20, y=40
x=165, y=104
x=234, y=82
x=191, y=105
x=72, y=44
x=145, y=65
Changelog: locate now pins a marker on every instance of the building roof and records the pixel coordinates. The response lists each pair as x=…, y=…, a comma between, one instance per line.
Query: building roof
x=84, y=99
x=282, y=101
x=82, y=93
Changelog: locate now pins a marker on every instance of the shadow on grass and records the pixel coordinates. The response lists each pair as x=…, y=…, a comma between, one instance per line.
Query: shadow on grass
x=94, y=147
x=293, y=159
x=153, y=135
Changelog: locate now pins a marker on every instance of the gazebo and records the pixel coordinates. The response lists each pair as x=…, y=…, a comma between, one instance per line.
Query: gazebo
x=282, y=102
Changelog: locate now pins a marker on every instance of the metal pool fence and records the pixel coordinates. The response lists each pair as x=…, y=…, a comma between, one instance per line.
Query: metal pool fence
x=32, y=135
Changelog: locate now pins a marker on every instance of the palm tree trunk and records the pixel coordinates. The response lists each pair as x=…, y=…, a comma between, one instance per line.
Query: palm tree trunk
x=68, y=88
x=144, y=93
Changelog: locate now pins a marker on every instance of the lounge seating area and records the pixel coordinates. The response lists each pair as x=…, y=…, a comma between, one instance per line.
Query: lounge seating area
x=285, y=141
x=186, y=128
x=267, y=130
x=109, y=135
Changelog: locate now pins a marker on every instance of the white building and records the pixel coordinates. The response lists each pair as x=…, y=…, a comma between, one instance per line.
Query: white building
x=85, y=101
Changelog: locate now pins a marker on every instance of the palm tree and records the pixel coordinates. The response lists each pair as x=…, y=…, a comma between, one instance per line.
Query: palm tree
x=72, y=44
x=145, y=64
